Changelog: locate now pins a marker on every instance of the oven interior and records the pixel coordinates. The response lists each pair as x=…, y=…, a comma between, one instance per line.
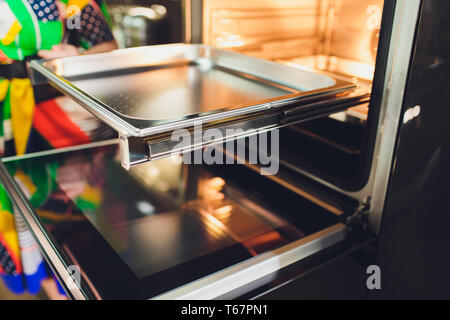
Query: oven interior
x=335, y=37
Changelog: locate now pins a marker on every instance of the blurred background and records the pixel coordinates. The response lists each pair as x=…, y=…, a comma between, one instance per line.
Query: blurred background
x=144, y=22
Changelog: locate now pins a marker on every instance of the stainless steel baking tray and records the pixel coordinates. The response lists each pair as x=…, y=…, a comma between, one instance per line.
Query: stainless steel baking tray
x=147, y=92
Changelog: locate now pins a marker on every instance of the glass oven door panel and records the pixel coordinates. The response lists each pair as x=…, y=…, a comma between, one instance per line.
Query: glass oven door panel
x=162, y=226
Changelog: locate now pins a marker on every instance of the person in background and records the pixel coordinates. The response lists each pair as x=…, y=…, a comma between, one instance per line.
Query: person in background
x=33, y=119
x=36, y=29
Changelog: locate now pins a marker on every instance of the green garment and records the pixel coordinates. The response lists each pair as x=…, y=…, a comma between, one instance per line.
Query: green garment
x=35, y=35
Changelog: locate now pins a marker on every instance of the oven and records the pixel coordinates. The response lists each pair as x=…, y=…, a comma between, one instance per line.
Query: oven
x=297, y=105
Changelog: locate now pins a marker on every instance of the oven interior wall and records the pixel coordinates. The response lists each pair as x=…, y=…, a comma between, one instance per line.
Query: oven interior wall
x=331, y=35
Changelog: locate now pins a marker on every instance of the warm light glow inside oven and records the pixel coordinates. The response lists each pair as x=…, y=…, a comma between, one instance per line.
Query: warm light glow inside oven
x=337, y=36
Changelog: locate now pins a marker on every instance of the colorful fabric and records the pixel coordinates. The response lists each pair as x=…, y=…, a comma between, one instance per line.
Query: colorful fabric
x=27, y=26
x=9, y=243
x=22, y=266
x=45, y=10
x=21, y=100
x=33, y=263
x=37, y=18
x=6, y=134
x=35, y=33
x=17, y=103
x=56, y=126
x=94, y=28
x=3, y=58
x=9, y=25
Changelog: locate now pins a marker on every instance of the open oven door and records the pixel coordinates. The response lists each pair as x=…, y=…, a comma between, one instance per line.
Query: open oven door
x=168, y=230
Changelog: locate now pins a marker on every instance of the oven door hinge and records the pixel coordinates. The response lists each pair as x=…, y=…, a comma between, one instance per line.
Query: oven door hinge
x=358, y=221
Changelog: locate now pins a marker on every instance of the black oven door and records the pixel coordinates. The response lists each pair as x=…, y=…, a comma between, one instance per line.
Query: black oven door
x=165, y=229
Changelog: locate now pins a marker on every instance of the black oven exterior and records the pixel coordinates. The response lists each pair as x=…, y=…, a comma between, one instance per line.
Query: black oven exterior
x=414, y=244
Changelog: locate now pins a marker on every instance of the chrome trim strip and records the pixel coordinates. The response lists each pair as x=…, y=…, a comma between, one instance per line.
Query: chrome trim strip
x=244, y=273
x=187, y=8
x=193, y=21
x=27, y=211
x=61, y=150
x=401, y=47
